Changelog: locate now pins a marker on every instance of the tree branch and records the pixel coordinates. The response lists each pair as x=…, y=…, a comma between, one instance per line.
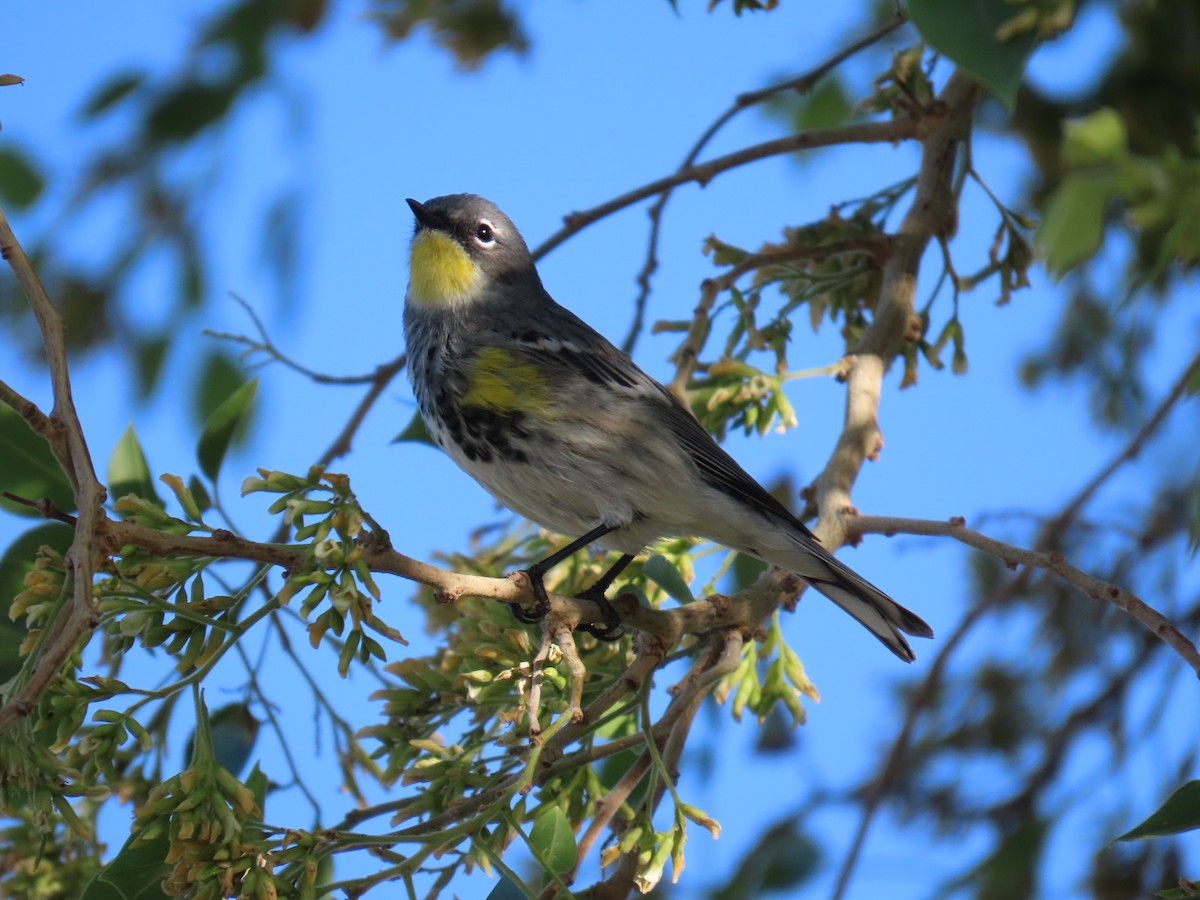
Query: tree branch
x=888, y=132
x=1051, y=560
x=63, y=432
x=878, y=248
x=931, y=215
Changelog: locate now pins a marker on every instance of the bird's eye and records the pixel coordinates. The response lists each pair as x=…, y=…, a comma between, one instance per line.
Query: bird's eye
x=484, y=233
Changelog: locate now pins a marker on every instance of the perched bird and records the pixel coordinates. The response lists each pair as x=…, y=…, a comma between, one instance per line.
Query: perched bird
x=563, y=428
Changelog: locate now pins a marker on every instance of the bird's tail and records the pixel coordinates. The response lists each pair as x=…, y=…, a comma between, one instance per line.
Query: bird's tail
x=879, y=613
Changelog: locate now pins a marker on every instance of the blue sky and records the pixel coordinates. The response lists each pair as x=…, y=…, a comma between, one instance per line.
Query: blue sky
x=612, y=96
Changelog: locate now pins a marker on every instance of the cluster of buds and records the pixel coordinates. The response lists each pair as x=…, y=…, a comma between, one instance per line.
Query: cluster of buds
x=738, y=394
x=204, y=812
x=34, y=864
x=485, y=668
x=34, y=782
x=337, y=571
x=655, y=849
x=92, y=751
x=163, y=603
x=783, y=683
x=36, y=602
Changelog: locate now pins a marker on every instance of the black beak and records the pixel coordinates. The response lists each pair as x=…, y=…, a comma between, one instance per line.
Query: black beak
x=426, y=218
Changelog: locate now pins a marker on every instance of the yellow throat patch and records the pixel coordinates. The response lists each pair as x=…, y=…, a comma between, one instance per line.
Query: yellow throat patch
x=440, y=270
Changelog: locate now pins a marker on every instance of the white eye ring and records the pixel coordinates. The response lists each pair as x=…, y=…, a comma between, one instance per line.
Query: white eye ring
x=484, y=233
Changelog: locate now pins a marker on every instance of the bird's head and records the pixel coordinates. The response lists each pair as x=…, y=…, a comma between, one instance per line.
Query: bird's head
x=463, y=246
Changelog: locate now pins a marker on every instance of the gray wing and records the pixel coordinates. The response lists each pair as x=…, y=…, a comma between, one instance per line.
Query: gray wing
x=605, y=365
x=720, y=469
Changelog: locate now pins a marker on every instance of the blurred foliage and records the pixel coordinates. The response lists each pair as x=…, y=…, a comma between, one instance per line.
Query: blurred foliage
x=1145, y=191
x=1114, y=173
x=469, y=29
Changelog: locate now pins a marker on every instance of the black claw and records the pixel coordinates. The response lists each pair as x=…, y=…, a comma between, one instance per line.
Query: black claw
x=608, y=633
x=611, y=630
x=535, y=614
x=526, y=615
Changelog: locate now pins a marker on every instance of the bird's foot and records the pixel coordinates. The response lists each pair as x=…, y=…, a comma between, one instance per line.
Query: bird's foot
x=532, y=615
x=611, y=630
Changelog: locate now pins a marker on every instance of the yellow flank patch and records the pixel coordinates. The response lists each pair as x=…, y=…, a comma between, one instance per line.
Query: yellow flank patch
x=440, y=270
x=503, y=382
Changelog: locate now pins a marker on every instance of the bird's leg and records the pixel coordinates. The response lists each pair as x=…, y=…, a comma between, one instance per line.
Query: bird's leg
x=538, y=570
x=612, y=629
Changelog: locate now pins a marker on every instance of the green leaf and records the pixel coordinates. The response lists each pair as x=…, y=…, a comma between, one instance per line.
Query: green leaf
x=128, y=472
x=783, y=858
x=553, y=841
x=219, y=376
x=416, y=431
x=826, y=106
x=1194, y=520
x=744, y=572
x=234, y=731
x=1181, y=812
x=1095, y=140
x=507, y=890
x=257, y=783
x=1192, y=384
x=199, y=494
x=187, y=110
x=111, y=92
x=1011, y=869
x=149, y=356
x=966, y=32
x=659, y=570
x=135, y=873
x=30, y=469
x=1073, y=227
x=21, y=183
x=221, y=426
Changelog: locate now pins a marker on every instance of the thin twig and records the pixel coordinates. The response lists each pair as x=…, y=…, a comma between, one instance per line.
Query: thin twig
x=1051, y=560
x=930, y=214
x=379, y=381
x=265, y=345
x=1134, y=446
x=889, y=132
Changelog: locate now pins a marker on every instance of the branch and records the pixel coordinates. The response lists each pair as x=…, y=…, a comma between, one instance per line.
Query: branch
x=1051, y=560
x=889, y=132
x=800, y=84
x=63, y=432
x=380, y=379
x=918, y=700
x=931, y=214
x=665, y=625
x=1134, y=447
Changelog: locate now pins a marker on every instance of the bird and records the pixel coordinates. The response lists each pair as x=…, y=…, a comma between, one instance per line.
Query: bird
x=566, y=430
